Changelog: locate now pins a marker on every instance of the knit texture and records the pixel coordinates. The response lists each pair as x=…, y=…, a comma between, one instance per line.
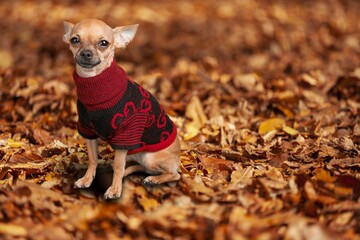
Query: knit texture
x=121, y=112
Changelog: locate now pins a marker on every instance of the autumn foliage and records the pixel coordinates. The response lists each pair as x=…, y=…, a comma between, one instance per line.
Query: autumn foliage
x=265, y=95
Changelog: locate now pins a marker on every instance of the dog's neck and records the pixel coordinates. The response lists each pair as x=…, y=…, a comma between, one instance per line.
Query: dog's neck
x=101, y=91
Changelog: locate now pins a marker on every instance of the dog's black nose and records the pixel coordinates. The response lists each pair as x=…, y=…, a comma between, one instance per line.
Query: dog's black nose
x=86, y=54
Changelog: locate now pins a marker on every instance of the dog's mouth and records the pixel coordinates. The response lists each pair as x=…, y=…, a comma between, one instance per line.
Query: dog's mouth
x=86, y=64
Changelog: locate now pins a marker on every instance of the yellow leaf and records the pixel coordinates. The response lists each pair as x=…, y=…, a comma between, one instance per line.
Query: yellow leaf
x=12, y=230
x=271, y=124
x=289, y=130
x=192, y=130
x=14, y=144
x=48, y=177
x=343, y=191
x=195, y=112
x=288, y=113
x=148, y=203
x=324, y=175
x=6, y=59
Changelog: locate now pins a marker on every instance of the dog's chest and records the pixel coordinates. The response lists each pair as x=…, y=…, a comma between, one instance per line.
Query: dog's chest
x=136, y=104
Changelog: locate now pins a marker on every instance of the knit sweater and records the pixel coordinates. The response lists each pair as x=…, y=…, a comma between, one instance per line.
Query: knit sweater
x=121, y=112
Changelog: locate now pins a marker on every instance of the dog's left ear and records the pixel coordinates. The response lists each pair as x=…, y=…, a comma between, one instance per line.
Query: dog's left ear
x=67, y=31
x=124, y=35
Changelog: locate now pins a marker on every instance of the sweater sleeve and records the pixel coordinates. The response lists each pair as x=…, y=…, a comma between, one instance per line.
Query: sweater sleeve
x=128, y=134
x=83, y=125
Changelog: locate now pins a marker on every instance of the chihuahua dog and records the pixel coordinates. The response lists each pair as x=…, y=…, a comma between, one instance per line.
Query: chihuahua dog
x=119, y=111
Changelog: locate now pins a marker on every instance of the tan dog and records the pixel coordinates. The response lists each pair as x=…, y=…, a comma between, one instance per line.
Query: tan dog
x=93, y=44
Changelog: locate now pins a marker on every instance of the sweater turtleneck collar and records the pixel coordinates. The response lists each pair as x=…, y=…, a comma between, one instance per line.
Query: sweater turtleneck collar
x=102, y=91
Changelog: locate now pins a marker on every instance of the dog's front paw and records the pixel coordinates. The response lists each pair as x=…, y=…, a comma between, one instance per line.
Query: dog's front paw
x=113, y=192
x=83, y=182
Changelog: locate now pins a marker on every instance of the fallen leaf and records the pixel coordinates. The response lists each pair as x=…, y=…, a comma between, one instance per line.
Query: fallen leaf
x=14, y=144
x=344, y=191
x=346, y=143
x=316, y=197
x=197, y=186
x=357, y=130
x=195, y=112
x=324, y=175
x=6, y=59
x=147, y=203
x=289, y=130
x=13, y=230
x=314, y=231
x=343, y=219
x=242, y=176
x=211, y=164
x=269, y=135
x=327, y=151
x=42, y=136
x=270, y=125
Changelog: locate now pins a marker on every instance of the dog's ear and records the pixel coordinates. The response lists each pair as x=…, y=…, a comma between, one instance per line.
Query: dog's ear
x=124, y=35
x=67, y=31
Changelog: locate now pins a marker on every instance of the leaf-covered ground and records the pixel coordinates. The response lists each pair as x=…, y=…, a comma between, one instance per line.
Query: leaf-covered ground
x=266, y=97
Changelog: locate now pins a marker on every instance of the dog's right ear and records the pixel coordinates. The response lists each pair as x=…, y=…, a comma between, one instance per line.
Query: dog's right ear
x=67, y=31
x=124, y=35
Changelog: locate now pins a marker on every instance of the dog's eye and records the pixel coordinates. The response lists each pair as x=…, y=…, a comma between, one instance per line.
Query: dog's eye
x=103, y=43
x=75, y=40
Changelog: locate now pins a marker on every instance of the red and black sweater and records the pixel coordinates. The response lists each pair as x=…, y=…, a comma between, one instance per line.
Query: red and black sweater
x=121, y=112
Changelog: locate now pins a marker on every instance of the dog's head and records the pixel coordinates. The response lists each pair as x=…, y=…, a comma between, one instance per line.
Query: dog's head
x=93, y=42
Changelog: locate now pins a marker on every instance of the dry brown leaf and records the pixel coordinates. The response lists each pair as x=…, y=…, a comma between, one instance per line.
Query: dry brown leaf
x=313, y=98
x=197, y=186
x=347, y=162
x=316, y=197
x=344, y=191
x=211, y=164
x=314, y=231
x=346, y=143
x=274, y=179
x=327, y=151
x=357, y=130
x=242, y=176
x=26, y=158
x=42, y=136
x=343, y=219
x=195, y=112
x=309, y=79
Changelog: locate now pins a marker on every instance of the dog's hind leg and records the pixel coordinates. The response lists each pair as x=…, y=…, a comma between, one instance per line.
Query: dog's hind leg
x=163, y=178
x=134, y=168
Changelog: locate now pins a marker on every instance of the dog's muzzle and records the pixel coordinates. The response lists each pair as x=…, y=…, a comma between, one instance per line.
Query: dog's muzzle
x=86, y=59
